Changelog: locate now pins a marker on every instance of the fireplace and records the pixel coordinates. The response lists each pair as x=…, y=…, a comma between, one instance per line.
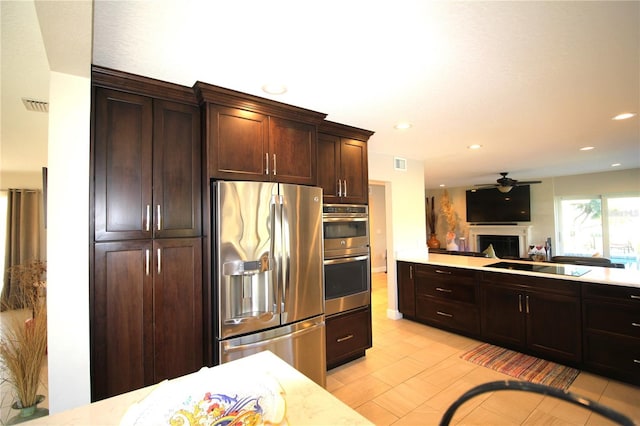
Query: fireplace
x=507, y=240
x=504, y=246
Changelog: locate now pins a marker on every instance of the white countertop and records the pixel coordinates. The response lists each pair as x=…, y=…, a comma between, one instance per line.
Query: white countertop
x=596, y=274
x=305, y=402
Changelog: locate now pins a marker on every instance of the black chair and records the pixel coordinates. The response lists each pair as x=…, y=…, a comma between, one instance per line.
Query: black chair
x=572, y=398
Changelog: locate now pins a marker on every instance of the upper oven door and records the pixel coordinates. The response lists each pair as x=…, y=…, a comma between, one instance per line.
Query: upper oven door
x=345, y=232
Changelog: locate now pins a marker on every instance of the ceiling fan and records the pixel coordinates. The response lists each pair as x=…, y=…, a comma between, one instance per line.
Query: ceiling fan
x=505, y=184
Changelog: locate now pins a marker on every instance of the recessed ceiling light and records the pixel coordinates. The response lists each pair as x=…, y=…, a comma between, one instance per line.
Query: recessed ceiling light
x=587, y=148
x=274, y=88
x=475, y=146
x=616, y=165
x=403, y=125
x=624, y=116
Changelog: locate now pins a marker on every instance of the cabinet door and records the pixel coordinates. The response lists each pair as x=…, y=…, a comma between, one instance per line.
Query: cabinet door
x=177, y=166
x=123, y=132
x=292, y=151
x=406, y=290
x=328, y=166
x=121, y=318
x=354, y=171
x=177, y=298
x=553, y=326
x=503, y=315
x=237, y=143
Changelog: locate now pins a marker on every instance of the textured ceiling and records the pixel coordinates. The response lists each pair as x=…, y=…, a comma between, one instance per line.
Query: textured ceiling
x=530, y=81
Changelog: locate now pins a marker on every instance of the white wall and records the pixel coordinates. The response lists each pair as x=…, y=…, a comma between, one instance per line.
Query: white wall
x=406, y=227
x=68, y=241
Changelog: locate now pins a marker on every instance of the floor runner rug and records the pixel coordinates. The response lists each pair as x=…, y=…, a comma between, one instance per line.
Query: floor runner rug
x=521, y=366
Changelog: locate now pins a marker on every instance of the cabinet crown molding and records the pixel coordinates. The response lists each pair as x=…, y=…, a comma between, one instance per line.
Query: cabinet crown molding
x=208, y=93
x=344, y=130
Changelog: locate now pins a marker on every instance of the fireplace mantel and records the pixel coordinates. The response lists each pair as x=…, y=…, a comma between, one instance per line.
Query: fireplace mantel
x=522, y=231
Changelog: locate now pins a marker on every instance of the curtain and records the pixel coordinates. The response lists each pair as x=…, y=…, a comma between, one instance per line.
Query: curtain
x=22, y=238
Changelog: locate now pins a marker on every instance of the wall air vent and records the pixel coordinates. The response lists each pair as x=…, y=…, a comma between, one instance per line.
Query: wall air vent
x=35, y=105
x=400, y=164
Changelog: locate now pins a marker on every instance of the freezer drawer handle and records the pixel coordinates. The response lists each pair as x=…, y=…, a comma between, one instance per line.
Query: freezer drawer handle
x=276, y=339
x=266, y=316
x=345, y=338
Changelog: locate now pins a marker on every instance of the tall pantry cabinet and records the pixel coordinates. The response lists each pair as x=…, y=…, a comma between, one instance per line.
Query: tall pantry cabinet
x=146, y=273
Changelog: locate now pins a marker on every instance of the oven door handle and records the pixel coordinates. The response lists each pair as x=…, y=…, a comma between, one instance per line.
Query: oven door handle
x=345, y=260
x=345, y=219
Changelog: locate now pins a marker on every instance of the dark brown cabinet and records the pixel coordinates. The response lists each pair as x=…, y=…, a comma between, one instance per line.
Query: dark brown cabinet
x=532, y=314
x=251, y=138
x=147, y=163
x=406, y=289
x=147, y=313
x=448, y=298
x=342, y=163
x=146, y=286
x=611, y=328
x=348, y=336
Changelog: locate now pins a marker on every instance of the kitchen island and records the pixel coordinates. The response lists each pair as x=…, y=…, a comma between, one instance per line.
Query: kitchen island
x=583, y=316
x=286, y=395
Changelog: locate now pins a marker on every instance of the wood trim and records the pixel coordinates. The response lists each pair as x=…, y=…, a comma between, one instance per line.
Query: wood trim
x=344, y=131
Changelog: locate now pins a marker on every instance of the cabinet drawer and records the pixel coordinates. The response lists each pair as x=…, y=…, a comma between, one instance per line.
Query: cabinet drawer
x=612, y=292
x=445, y=272
x=617, y=355
x=448, y=290
x=613, y=318
x=451, y=315
x=347, y=335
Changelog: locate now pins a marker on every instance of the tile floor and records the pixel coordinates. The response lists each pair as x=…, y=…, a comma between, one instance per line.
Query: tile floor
x=413, y=373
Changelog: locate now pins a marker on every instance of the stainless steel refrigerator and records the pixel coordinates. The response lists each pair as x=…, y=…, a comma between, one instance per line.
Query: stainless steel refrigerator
x=268, y=273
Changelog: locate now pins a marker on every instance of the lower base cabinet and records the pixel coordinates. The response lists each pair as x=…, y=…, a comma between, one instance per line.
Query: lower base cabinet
x=146, y=323
x=348, y=336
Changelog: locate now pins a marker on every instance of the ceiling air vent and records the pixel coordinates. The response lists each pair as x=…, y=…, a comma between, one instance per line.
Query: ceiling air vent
x=400, y=164
x=35, y=105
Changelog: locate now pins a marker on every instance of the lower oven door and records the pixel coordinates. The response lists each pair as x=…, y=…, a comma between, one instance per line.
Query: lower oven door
x=347, y=280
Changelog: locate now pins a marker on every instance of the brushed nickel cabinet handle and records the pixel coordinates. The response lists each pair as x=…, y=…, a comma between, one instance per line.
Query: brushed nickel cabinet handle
x=411, y=271
x=266, y=163
x=439, y=271
x=443, y=290
x=527, y=303
x=637, y=361
x=633, y=296
x=345, y=187
x=159, y=262
x=635, y=324
x=345, y=338
x=444, y=314
x=146, y=268
x=148, y=217
x=339, y=187
x=159, y=219
x=274, y=165
x=519, y=303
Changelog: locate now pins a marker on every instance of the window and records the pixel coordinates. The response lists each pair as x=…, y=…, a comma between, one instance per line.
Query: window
x=607, y=226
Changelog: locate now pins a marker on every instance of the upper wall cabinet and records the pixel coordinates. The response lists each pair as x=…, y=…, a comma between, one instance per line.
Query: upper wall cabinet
x=252, y=138
x=342, y=163
x=147, y=166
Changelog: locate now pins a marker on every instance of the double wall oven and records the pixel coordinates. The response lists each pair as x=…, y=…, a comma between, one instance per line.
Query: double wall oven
x=347, y=267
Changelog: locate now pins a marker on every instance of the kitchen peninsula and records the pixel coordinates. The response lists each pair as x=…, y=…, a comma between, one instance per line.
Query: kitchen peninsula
x=301, y=401
x=584, y=316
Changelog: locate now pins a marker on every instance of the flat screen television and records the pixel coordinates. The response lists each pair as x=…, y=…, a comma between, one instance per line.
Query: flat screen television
x=492, y=206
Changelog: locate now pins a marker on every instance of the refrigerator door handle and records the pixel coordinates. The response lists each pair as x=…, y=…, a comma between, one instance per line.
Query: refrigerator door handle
x=275, y=247
x=285, y=254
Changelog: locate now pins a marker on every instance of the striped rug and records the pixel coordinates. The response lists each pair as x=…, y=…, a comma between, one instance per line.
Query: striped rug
x=521, y=366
